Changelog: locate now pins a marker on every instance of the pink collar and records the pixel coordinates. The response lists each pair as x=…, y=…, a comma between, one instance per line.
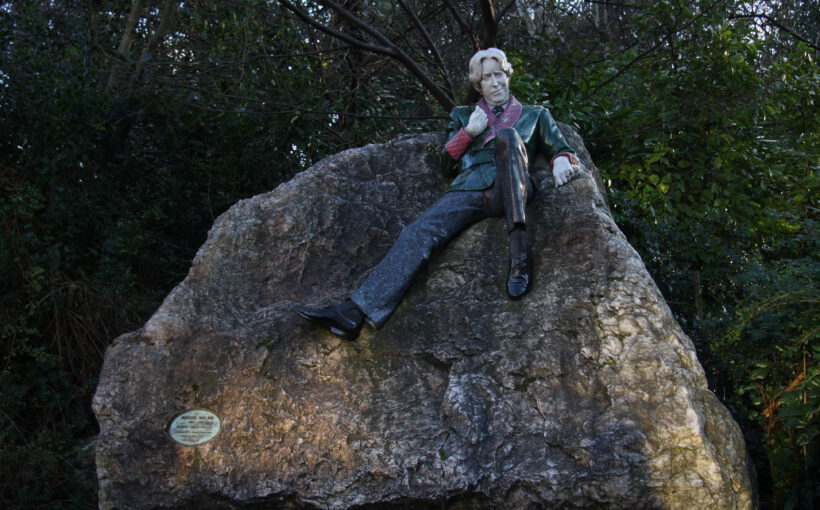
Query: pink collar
x=508, y=117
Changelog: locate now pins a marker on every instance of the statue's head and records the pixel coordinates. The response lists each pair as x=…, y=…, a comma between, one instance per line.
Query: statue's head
x=490, y=75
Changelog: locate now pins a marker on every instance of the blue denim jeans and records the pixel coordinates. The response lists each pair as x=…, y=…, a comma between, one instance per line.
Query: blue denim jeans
x=384, y=288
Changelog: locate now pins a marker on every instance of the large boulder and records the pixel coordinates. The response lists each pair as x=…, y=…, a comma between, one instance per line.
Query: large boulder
x=584, y=394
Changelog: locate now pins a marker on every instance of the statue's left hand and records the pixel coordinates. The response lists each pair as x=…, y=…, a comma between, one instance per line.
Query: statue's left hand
x=563, y=171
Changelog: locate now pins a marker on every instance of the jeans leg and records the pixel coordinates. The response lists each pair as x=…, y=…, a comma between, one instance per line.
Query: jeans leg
x=383, y=289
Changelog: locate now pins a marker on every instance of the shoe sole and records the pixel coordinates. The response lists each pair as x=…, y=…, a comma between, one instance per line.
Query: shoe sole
x=346, y=335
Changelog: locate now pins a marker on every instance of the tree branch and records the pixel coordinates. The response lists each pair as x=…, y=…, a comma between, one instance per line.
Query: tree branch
x=650, y=50
x=506, y=9
x=465, y=27
x=285, y=108
x=430, y=44
x=778, y=25
x=125, y=43
x=609, y=3
x=389, y=48
x=336, y=33
x=349, y=16
x=164, y=24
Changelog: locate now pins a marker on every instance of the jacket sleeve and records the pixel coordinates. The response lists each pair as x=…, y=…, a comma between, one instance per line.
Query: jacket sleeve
x=550, y=138
x=449, y=166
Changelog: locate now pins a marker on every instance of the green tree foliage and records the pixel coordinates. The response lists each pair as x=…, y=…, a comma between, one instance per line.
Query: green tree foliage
x=129, y=125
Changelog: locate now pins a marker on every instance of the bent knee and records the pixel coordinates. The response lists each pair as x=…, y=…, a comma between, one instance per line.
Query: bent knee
x=508, y=135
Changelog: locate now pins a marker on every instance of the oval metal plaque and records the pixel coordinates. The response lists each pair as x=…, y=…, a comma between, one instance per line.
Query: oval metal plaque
x=193, y=427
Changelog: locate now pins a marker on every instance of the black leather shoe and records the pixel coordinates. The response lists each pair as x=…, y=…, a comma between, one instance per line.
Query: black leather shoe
x=519, y=278
x=344, y=320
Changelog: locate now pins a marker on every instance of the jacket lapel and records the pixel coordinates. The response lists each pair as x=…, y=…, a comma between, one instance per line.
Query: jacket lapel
x=508, y=117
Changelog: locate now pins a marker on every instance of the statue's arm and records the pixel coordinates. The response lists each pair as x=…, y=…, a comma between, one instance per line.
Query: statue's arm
x=458, y=141
x=563, y=162
x=552, y=141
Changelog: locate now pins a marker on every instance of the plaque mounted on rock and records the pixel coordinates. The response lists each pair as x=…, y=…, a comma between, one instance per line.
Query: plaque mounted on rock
x=194, y=427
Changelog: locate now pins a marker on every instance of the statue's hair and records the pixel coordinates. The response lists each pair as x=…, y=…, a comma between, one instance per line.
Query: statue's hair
x=479, y=57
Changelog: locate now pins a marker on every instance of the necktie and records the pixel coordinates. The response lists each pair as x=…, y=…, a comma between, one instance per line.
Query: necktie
x=497, y=110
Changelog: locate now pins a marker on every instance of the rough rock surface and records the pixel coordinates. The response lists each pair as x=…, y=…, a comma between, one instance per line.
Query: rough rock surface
x=584, y=394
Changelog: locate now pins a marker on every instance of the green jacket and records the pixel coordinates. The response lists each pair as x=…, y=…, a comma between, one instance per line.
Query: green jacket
x=475, y=170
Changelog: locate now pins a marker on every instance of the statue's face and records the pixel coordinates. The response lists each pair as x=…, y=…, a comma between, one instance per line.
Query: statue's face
x=495, y=86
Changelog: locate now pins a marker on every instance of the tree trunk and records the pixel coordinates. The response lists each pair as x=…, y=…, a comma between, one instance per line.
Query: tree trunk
x=164, y=25
x=126, y=42
x=697, y=291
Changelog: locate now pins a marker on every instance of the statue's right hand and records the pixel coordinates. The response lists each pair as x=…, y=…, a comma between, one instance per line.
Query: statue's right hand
x=477, y=123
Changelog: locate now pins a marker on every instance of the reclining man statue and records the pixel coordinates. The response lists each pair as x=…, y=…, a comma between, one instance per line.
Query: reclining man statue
x=490, y=147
